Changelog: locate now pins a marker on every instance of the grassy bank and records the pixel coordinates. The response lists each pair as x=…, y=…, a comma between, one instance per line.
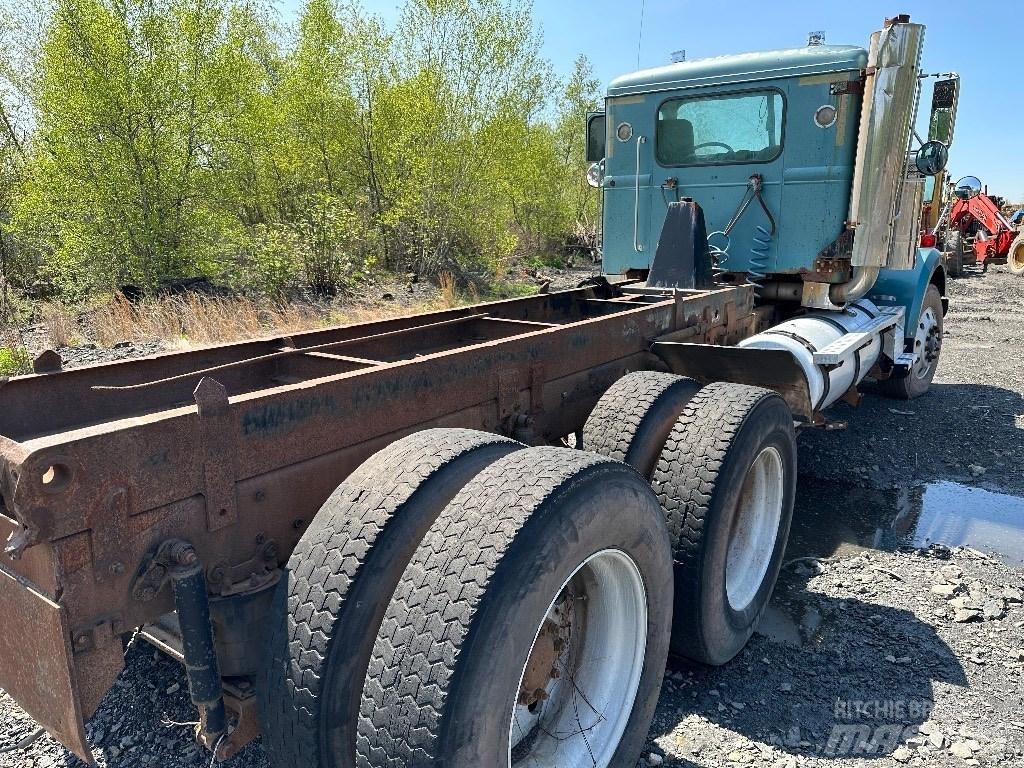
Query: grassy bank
x=193, y=320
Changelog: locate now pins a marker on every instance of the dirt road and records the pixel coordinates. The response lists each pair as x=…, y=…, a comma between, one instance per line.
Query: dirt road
x=880, y=648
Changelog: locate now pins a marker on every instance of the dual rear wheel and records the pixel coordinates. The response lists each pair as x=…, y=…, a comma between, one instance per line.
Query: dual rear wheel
x=725, y=476
x=463, y=600
x=458, y=601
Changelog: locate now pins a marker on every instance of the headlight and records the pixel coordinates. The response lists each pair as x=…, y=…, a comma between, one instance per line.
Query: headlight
x=595, y=175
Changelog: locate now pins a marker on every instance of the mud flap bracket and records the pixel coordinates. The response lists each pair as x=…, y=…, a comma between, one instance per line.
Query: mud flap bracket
x=770, y=368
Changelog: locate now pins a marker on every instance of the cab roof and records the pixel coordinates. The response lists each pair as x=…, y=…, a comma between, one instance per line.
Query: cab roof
x=742, y=68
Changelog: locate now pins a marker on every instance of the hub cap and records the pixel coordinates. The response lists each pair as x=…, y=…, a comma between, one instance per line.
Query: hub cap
x=755, y=529
x=927, y=343
x=577, y=689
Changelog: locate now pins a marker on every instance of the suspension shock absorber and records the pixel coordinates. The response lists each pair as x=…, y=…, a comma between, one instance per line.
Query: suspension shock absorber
x=757, y=270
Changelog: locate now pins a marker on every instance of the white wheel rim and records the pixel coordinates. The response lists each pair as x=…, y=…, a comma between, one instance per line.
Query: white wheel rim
x=927, y=342
x=601, y=617
x=755, y=529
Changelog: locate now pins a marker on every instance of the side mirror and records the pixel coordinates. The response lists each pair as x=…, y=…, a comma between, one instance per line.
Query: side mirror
x=945, y=96
x=967, y=187
x=596, y=136
x=932, y=158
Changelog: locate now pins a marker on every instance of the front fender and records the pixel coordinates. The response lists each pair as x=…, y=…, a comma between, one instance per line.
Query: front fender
x=907, y=287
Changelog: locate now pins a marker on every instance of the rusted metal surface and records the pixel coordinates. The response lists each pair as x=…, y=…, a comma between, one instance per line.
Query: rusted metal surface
x=38, y=670
x=772, y=368
x=238, y=460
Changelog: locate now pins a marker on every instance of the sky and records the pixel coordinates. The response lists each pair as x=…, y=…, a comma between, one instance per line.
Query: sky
x=980, y=40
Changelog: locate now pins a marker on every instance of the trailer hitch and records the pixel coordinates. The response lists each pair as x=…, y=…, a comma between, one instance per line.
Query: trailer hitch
x=178, y=561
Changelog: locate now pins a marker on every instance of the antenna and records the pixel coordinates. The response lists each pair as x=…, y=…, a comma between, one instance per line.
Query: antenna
x=678, y=56
x=640, y=39
x=816, y=38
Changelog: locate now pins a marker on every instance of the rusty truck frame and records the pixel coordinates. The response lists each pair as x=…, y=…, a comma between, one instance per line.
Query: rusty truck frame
x=234, y=448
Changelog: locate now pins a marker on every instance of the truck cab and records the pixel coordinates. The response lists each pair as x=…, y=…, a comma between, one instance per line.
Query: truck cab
x=701, y=129
x=802, y=161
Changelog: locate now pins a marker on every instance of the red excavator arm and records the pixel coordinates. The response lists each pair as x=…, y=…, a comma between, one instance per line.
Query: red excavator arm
x=979, y=217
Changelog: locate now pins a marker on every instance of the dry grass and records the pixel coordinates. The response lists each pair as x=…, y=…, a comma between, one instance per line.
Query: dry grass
x=449, y=290
x=197, y=320
x=61, y=325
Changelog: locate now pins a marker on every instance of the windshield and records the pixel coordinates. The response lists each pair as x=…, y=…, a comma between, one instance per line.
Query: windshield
x=711, y=130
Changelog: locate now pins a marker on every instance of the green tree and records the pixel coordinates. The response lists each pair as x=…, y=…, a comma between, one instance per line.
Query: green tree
x=171, y=138
x=134, y=103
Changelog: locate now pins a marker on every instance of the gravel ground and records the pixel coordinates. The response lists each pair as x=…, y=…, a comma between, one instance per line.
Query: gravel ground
x=866, y=657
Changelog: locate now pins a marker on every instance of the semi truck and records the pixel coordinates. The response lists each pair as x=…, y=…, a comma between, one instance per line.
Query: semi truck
x=473, y=537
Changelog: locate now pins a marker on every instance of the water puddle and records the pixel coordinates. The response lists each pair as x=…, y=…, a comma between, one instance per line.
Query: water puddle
x=833, y=519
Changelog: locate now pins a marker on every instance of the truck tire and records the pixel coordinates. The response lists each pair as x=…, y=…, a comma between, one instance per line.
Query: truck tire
x=726, y=481
x=339, y=580
x=1015, y=256
x=955, y=247
x=906, y=384
x=631, y=421
x=550, y=559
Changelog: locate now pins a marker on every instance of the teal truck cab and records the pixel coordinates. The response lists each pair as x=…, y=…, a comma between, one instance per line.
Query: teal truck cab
x=808, y=175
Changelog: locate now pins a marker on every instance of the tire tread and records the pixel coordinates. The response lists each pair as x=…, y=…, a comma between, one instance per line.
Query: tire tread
x=422, y=637
x=323, y=567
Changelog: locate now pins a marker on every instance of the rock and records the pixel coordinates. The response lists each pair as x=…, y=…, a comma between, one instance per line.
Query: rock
x=811, y=621
x=964, y=615
x=737, y=756
x=787, y=687
x=173, y=688
x=902, y=755
x=993, y=609
x=945, y=590
x=785, y=762
x=1013, y=595
x=937, y=739
x=951, y=571
x=653, y=759
x=1017, y=654
x=976, y=470
x=962, y=750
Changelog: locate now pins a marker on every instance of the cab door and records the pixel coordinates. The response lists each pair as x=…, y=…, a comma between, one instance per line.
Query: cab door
x=629, y=165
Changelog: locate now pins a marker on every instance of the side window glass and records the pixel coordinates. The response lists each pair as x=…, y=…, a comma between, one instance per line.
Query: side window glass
x=712, y=130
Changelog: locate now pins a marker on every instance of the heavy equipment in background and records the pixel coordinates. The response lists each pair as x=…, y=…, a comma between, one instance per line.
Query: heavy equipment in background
x=974, y=231
x=471, y=537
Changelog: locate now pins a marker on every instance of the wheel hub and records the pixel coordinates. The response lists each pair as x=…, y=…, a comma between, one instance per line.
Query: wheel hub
x=541, y=668
x=1017, y=256
x=927, y=343
x=579, y=683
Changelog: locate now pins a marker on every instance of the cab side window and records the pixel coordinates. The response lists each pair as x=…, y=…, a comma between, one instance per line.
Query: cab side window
x=721, y=129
